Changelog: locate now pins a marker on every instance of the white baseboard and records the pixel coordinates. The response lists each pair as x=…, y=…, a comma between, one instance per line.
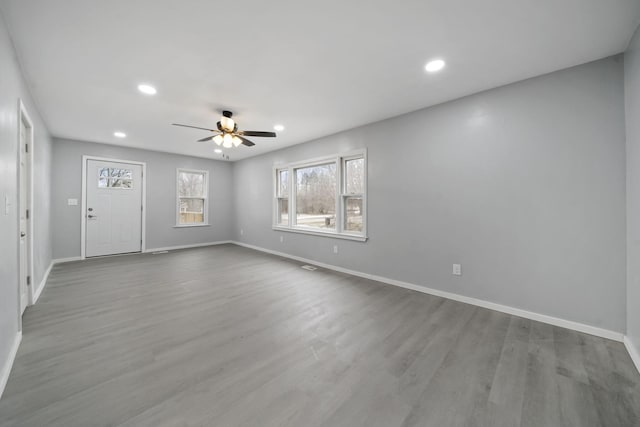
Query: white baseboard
x=576, y=326
x=633, y=352
x=195, y=245
x=8, y=364
x=167, y=248
x=38, y=291
x=63, y=260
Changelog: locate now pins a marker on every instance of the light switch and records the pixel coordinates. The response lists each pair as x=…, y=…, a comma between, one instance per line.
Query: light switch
x=6, y=205
x=457, y=270
x=72, y=202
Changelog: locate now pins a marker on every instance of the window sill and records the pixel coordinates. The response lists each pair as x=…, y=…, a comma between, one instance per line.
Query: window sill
x=191, y=225
x=322, y=233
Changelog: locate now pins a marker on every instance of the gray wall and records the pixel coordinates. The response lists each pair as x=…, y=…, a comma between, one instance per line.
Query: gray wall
x=632, y=104
x=161, y=196
x=524, y=185
x=12, y=87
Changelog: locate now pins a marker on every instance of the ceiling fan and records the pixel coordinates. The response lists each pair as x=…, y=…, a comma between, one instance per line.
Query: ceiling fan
x=227, y=133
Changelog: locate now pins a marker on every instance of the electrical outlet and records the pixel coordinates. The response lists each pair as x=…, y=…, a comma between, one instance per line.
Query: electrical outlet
x=335, y=249
x=281, y=239
x=241, y=232
x=72, y=202
x=457, y=270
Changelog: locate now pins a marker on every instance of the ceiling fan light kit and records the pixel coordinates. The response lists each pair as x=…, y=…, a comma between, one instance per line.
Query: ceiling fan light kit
x=227, y=140
x=227, y=133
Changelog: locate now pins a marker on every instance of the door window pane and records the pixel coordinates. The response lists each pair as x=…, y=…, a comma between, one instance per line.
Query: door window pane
x=121, y=183
x=115, y=178
x=122, y=173
x=316, y=196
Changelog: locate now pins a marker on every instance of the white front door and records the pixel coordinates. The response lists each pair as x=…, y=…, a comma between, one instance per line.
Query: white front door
x=113, y=208
x=23, y=204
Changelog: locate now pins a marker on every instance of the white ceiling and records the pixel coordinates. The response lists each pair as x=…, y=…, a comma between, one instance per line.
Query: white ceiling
x=317, y=67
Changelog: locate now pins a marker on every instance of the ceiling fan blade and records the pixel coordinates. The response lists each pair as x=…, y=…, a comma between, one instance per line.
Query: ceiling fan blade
x=209, y=138
x=246, y=142
x=195, y=127
x=257, y=133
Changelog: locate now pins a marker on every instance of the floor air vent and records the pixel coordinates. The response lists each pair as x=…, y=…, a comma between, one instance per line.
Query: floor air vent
x=309, y=267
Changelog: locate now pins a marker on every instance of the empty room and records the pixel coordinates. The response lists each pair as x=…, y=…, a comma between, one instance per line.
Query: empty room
x=383, y=213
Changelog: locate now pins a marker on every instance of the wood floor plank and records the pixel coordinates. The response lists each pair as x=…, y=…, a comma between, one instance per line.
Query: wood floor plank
x=507, y=390
x=227, y=336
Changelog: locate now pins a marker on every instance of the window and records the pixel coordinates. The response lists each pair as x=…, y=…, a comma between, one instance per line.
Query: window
x=115, y=178
x=326, y=196
x=282, y=197
x=316, y=196
x=192, y=198
x=353, y=194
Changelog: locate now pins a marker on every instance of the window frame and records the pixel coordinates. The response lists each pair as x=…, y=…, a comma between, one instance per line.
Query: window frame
x=278, y=196
x=344, y=195
x=341, y=196
x=205, y=198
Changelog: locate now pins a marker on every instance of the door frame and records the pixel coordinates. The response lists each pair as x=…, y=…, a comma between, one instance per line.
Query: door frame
x=23, y=116
x=83, y=216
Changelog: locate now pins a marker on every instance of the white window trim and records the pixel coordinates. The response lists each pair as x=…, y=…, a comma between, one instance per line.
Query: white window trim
x=205, y=197
x=277, y=197
x=339, y=160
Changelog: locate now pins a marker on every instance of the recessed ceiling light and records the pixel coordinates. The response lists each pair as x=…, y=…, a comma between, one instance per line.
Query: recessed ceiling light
x=279, y=128
x=120, y=134
x=147, y=89
x=217, y=150
x=435, y=65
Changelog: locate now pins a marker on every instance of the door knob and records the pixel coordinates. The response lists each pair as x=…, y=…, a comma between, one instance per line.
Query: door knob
x=91, y=216
x=22, y=234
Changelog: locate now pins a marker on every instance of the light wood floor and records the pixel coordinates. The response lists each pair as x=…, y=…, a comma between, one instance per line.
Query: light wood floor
x=225, y=336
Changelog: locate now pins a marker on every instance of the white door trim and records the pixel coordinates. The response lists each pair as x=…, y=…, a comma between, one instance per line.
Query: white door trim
x=83, y=208
x=23, y=115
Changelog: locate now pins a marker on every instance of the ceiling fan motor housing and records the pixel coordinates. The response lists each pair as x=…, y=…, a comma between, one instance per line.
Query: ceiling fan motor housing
x=227, y=123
